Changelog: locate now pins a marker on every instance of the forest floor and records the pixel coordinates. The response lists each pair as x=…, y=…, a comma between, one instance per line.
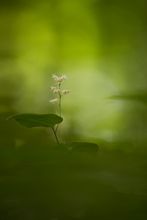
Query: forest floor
x=46, y=183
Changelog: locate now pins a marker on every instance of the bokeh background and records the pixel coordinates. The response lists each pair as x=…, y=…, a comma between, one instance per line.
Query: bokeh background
x=101, y=45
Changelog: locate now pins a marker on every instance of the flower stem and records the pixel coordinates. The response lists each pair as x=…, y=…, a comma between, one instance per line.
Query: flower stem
x=56, y=137
x=59, y=99
x=59, y=106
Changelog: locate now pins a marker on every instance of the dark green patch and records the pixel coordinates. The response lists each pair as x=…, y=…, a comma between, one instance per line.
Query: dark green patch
x=83, y=146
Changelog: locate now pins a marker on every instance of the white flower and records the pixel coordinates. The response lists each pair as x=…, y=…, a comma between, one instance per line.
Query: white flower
x=55, y=77
x=59, y=79
x=65, y=92
x=55, y=90
x=63, y=77
x=53, y=100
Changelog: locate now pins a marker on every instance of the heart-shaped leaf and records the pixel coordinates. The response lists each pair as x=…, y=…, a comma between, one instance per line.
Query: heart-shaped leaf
x=37, y=120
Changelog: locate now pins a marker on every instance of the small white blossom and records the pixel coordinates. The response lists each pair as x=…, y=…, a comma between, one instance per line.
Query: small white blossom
x=57, y=91
x=59, y=79
x=55, y=77
x=65, y=92
x=53, y=100
x=53, y=88
x=63, y=77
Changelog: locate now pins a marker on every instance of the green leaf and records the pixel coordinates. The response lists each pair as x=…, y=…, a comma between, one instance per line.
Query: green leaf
x=37, y=120
x=83, y=147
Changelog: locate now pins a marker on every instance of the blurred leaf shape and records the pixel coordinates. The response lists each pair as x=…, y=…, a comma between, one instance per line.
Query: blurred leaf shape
x=136, y=97
x=30, y=120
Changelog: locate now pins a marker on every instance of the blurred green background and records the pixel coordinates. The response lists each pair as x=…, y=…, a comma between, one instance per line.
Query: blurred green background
x=101, y=46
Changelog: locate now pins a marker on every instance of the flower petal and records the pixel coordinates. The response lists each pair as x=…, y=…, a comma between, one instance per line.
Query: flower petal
x=53, y=100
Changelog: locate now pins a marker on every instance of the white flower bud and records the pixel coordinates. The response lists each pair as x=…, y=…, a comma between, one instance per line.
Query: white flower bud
x=53, y=88
x=53, y=100
x=65, y=92
x=59, y=79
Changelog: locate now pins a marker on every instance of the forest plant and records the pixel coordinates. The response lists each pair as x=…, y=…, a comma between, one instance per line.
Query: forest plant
x=52, y=121
x=58, y=93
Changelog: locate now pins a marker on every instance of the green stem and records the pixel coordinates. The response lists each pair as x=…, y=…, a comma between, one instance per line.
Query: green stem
x=59, y=106
x=56, y=137
x=59, y=100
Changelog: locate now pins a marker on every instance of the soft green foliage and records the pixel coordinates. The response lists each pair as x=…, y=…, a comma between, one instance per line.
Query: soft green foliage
x=42, y=183
x=30, y=120
x=37, y=120
x=138, y=96
x=83, y=147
